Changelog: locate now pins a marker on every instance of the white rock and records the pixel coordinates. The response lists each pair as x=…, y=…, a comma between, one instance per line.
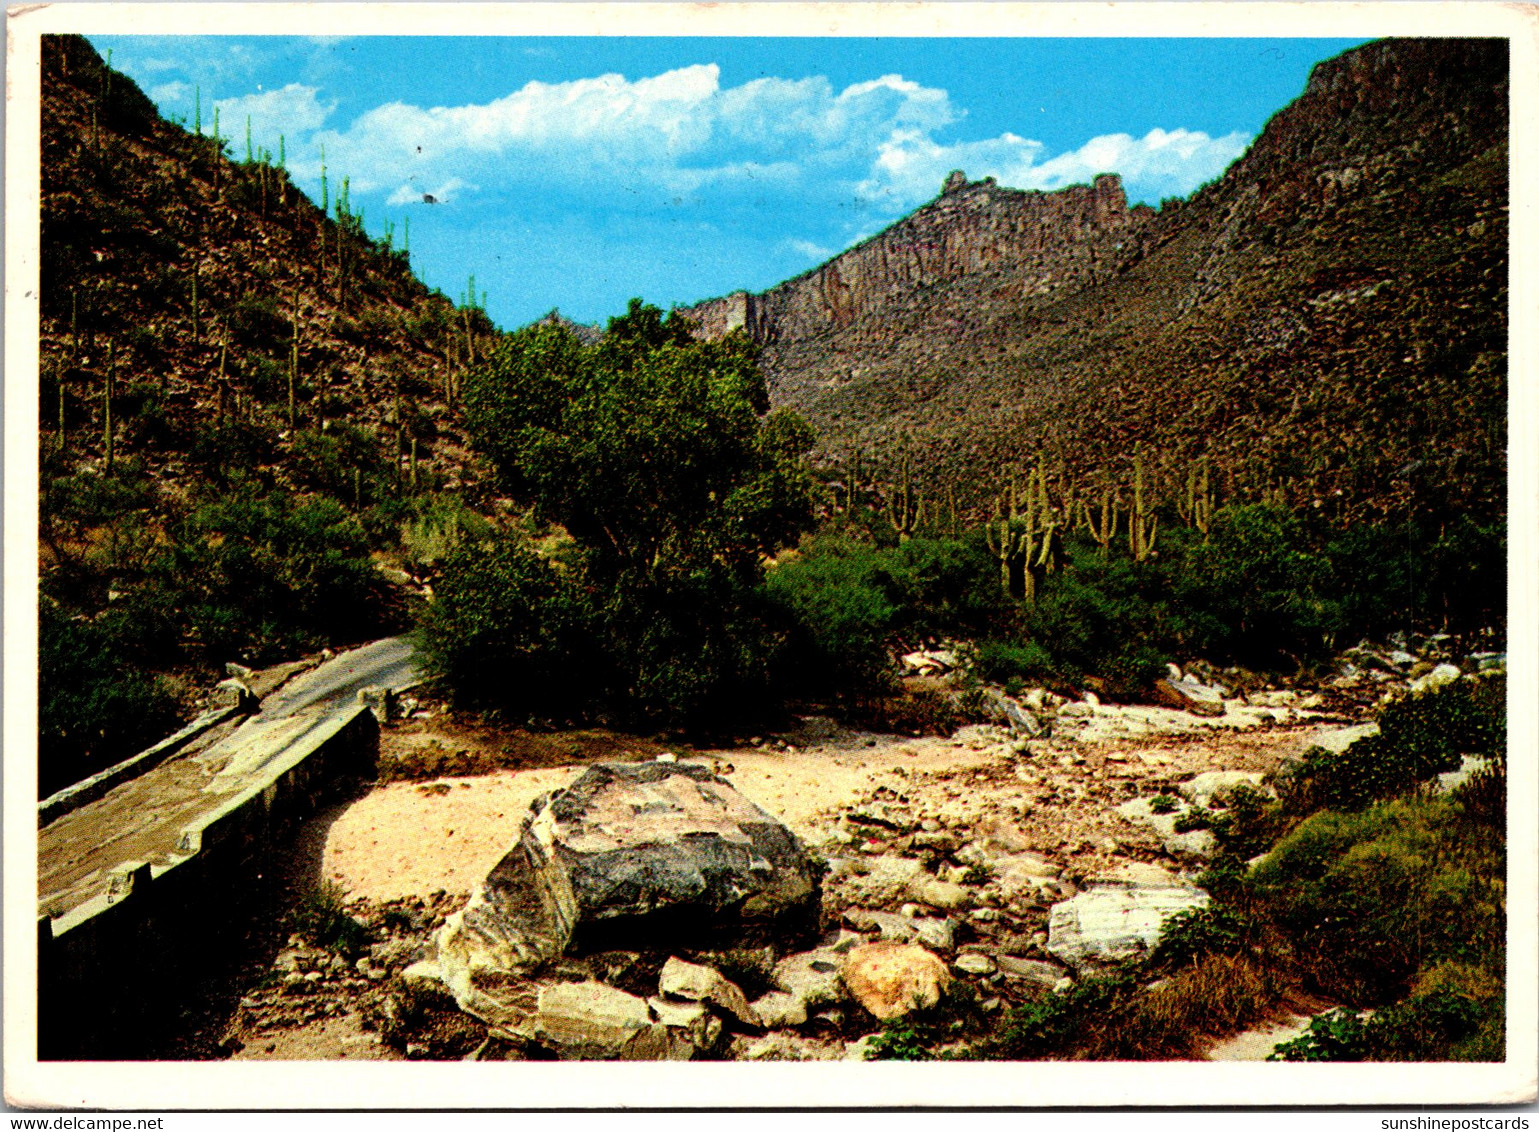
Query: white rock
x=1035, y=972
x=1219, y=784
x=812, y=976
x=1107, y=923
x=590, y=1020
x=780, y=1008
x=1469, y=766
x=1439, y=677
x=974, y=963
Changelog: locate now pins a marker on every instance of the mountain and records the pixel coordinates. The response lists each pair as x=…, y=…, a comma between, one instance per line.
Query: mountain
x=199, y=280
x=1327, y=319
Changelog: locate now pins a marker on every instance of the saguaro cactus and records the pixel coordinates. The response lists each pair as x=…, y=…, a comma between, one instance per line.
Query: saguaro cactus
x=1022, y=541
x=905, y=509
x=1106, y=530
x=1196, y=504
x=1142, y=522
x=107, y=410
x=294, y=366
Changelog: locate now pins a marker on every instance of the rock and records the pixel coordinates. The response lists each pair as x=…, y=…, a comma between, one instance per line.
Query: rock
x=780, y=1008
x=899, y=929
x=938, y=935
x=1034, y=972
x=882, y=815
x=812, y=976
x=1217, y=785
x=699, y=1025
x=940, y=841
x=893, y=979
x=881, y=880
x=1118, y=917
x=1469, y=766
x=1021, y=721
x=946, y=896
x=1188, y=695
x=634, y=848
x=974, y=963
x=705, y=984
x=783, y=1046
x=1339, y=739
x=1440, y=677
x=593, y=1022
x=1198, y=843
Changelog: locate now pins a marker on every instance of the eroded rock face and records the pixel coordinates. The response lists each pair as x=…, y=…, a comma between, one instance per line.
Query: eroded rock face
x=648, y=850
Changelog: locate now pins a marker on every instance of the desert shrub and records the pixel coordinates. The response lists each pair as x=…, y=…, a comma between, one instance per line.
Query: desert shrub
x=1164, y=804
x=259, y=574
x=440, y=524
x=1254, y=590
x=918, y=1036
x=1456, y=1013
x=322, y=918
x=326, y=460
x=1103, y=617
x=1005, y=662
x=850, y=602
x=93, y=709
x=1199, y=932
x=257, y=324
x=1251, y=822
x=1419, y=736
x=228, y=450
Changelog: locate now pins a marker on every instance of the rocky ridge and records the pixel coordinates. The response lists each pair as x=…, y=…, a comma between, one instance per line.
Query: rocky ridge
x=1294, y=321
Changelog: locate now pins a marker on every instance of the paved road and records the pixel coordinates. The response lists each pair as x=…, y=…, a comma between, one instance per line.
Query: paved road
x=142, y=819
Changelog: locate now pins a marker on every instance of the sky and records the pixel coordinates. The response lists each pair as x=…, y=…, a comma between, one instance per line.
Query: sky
x=575, y=173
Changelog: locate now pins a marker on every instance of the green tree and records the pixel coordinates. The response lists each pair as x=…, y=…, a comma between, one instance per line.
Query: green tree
x=654, y=451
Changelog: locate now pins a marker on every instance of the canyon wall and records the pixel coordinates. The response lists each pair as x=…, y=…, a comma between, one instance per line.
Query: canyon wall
x=1036, y=241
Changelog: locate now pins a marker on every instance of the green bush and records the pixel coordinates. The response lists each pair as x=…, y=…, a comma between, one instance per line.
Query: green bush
x=1190, y=935
x=258, y=575
x=1373, y=897
x=93, y=709
x=650, y=450
x=1101, y=617
x=850, y=603
x=1456, y=1014
x=511, y=632
x=1419, y=736
x=322, y=918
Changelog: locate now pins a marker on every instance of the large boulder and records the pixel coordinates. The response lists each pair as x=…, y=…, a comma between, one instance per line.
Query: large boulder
x=651, y=851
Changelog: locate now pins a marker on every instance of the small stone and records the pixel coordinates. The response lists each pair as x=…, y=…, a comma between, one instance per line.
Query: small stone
x=705, y=984
x=944, y=895
x=974, y=963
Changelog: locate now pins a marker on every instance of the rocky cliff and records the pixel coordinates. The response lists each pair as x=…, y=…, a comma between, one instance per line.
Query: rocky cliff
x=1035, y=242
x=1328, y=318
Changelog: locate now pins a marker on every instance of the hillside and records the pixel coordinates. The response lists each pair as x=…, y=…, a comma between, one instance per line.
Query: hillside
x=1329, y=316
x=195, y=275
x=249, y=427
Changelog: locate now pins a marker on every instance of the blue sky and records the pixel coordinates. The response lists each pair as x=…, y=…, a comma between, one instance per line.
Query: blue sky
x=575, y=173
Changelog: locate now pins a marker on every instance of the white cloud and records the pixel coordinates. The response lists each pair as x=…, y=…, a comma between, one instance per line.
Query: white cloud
x=808, y=250
x=290, y=112
x=174, y=91
x=911, y=165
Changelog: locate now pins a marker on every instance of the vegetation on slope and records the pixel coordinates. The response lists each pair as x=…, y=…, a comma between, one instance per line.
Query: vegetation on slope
x=246, y=405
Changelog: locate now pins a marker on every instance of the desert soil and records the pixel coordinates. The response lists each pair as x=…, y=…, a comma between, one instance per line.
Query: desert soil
x=416, y=846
